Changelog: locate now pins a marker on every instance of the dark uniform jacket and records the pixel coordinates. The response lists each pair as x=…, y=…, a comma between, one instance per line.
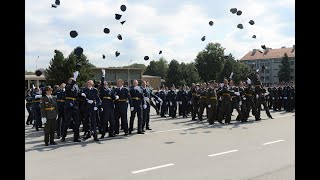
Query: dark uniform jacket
x=49, y=108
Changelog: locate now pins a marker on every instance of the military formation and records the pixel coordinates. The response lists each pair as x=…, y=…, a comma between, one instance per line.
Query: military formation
x=102, y=109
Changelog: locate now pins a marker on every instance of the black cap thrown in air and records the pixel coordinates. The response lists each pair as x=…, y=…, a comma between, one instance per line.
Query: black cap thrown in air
x=122, y=22
x=240, y=26
x=123, y=7
x=73, y=33
x=118, y=16
x=239, y=13
x=254, y=36
x=263, y=47
x=233, y=10
x=103, y=56
x=53, y=5
x=251, y=22
x=78, y=51
x=211, y=23
x=38, y=72
x=160, y=52
x=119, y=37
x=146, y=58
x=106, y=30
x=203, y=38
x=57, y=2
x=117, y=53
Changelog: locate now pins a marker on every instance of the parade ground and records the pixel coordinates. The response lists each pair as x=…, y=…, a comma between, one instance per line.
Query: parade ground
x=175, y=149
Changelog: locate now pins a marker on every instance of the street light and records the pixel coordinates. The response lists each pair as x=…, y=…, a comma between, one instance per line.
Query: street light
x=37, y=62
x=128, y=74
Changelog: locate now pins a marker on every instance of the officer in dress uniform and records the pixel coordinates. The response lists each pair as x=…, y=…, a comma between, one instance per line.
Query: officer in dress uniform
x=163, y=97
x=60, y=94
x=136, y=102
x=157, y=102
x=184, y=101
x=147, y=95
x=285, y=94
x=179, y=100
x=269, y=97
x=242, y=103
x=235, y=99
x=250, y=105
x=107, y=107
x=71, y=109
x=29, y=107
x=260, y=93
x=225, y=103
x=189, y=97
x=274, y=94
x=202, y=100
x=121, y=107
x=212, y=102
x=36, y=96
x=280, y=98
x=92, y=99
x=172, y=99
x=194, y=101
x=49, y=112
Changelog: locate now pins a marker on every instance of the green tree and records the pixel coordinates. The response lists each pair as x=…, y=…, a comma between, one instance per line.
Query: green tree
x=189, y=73
x=29, y=72
x=55, y=73
x=157, y=68
x=85, y=70
x=174, y=74
x=61, y=69
x=209, y=62
x=136, y=65
x=284, y=69
x=230, y=65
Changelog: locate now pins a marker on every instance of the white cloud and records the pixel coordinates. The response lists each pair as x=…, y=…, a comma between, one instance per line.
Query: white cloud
x=151, y=26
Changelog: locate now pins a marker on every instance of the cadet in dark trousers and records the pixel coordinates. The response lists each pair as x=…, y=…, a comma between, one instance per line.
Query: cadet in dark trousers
x=184, y=102
x=189, y=105
x=274, y=95
x=29, y=107
x=147, y=95
x=172, y=99
x=179, y=100
x=249, y=92
x=92, y=99
x=280, y=98
x=195, y=101
x=212, y=102
x=242, y=102
x=202, y=101
x=259, y=92
x=285, y=94
x=157, y=102
x=225, y=104
x=49, y=112
x=136, y=102
x=235, y=98
x=71, y=109
x=60, y=93
x=121, y=107
x=37, y=95
x=163, y=104
x=269, y=97
x=107, y=107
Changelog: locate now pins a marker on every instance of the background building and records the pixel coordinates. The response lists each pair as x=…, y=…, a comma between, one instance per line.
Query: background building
x=271, y=59
x=155, y=81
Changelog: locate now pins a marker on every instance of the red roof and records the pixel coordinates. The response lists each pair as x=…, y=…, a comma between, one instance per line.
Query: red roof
x=271, y=54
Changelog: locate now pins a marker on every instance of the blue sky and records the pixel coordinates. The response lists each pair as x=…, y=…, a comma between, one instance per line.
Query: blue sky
x=175, y=27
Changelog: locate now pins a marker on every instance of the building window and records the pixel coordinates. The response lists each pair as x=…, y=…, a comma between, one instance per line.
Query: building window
x=267, y=78
x=275, y=76
x=291, y=70
x=266, y=64
x=266, y=71
x=292, y=62
x=291, y=77
x=276, y=69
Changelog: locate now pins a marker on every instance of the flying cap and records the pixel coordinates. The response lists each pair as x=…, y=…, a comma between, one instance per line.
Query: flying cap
x=239, y=12
x=123, y=7
x=103, y=56
x=146, y=58
x=203, y=38
x=57, y=2
x=251, y=22
x=78, y=51
x=117, y=53
x=106, y=30
x=240, y=26
x=122, y=22
x=119, y=37
x=254, y=36
x=211, y=23
x=118, y=16
x=73, y=33
x=160, y=52
x=233, y=10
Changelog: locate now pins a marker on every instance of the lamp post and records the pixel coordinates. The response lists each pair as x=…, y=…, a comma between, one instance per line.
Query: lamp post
x=37, y=62
x=128, y=74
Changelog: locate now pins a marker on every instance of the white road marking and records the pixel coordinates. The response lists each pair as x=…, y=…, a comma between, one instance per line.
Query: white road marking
x=272, y=142
x=152, y=168
x=226, y=152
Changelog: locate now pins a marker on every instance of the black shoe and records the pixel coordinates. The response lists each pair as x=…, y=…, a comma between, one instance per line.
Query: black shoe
x=58, y=137
x=53, y=143
x=63, y=139
x=46, y=144
x=102, y=136
x=126, y=134
x=149, y=129
x=258, y=119
x=129, y=132
x=96, y=139
x=221, y=122
x=140, y=132
x=110, y=135
x=243, y=121
x=87, y=136
x=271, y=117
x=27, y=123
x=37, y=129
x=76, y=140
x=143, y=130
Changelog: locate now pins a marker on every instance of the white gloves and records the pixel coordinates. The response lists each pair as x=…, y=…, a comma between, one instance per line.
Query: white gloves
x=180, y=102
x=257, y=96
x=220, y=98
x=161, y=103
x=244, y=98
x=95, y=108
x=209, y=106
x=132, y=108
x=103, y=72
x=144, y=106
x=273, y=98
x=160, y=100
x=33, y=86
x=146, y=99
x=75, y=75
x=266, y=94
x=170, y=103
x=101, y=109
x=38, y=96
x=240, y=103
x=44, y=120
x=237, y=93
x=117, y=97
x=285, y=98
x=83, y=94
x=190, y=102
x=90, y=101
